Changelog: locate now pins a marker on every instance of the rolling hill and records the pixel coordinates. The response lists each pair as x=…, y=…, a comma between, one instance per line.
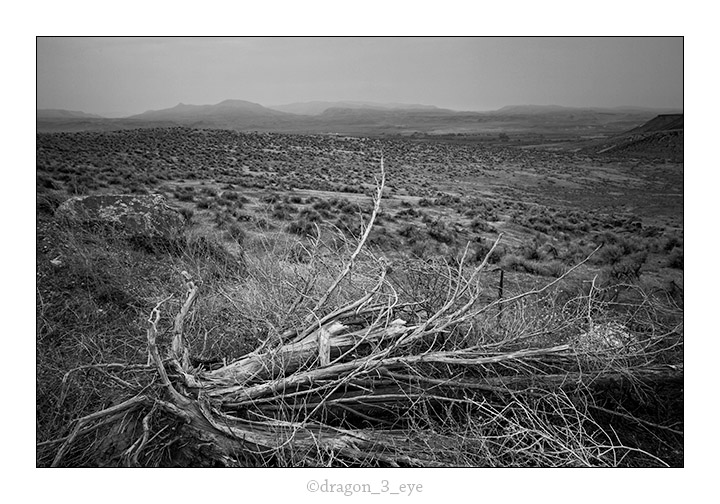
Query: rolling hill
x=661, y=138
x=663, y=122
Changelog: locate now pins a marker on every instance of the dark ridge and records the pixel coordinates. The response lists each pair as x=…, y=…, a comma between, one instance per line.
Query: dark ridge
x=663, y=122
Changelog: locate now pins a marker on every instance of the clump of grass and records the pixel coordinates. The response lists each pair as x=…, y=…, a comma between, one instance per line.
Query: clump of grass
x=44, y=182
x=439, y=231
x=205, y=203
x=408, y=212
x=187, y=214
x=482, y=248
x=230, y=196
x=628, y=268
x=513, y=262
x=83, y=184
x=271, y=198
x=185, y=196
x=303, y=227
x=48, y=201
x=676, y=259
x=135, y=187
x=322, y=205
x=283, y=211
x=235, y=233
x=480, y=225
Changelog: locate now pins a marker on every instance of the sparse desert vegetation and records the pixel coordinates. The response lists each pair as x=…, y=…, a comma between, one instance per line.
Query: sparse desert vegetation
x=270, y=350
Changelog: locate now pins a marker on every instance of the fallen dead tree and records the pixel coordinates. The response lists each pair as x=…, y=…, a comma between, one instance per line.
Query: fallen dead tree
x=360, y=385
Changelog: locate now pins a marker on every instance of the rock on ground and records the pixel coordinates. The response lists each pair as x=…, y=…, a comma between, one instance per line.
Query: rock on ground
x=609, y=336
x=135, y=215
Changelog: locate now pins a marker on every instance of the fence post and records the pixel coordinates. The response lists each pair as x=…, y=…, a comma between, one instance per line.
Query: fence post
x=500, y=296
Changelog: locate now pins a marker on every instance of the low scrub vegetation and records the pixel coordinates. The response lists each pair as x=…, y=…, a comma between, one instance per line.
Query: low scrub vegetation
x=297, y=321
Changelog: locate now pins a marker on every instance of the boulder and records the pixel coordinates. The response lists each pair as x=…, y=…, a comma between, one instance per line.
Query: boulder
x=131, y=214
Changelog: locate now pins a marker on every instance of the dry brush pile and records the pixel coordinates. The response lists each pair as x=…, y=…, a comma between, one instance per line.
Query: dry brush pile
x=385, y=380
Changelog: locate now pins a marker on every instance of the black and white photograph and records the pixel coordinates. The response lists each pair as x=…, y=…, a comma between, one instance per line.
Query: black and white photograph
x=360, y=252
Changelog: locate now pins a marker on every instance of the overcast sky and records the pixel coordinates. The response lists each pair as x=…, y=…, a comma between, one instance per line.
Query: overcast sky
x=123, y=76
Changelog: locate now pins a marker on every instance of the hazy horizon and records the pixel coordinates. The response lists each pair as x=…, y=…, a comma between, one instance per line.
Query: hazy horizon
x=116, y=77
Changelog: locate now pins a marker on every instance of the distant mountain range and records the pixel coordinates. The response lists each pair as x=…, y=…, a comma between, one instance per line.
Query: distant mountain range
x=318, y=107
x=559, y=109
x=356, y=118
x=224, y=109
x=64, y=114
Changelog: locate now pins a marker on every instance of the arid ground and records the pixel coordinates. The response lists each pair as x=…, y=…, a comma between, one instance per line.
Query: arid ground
x=272, y=219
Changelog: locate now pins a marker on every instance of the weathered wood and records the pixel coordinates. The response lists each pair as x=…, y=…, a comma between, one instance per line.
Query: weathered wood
x=656, y=374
